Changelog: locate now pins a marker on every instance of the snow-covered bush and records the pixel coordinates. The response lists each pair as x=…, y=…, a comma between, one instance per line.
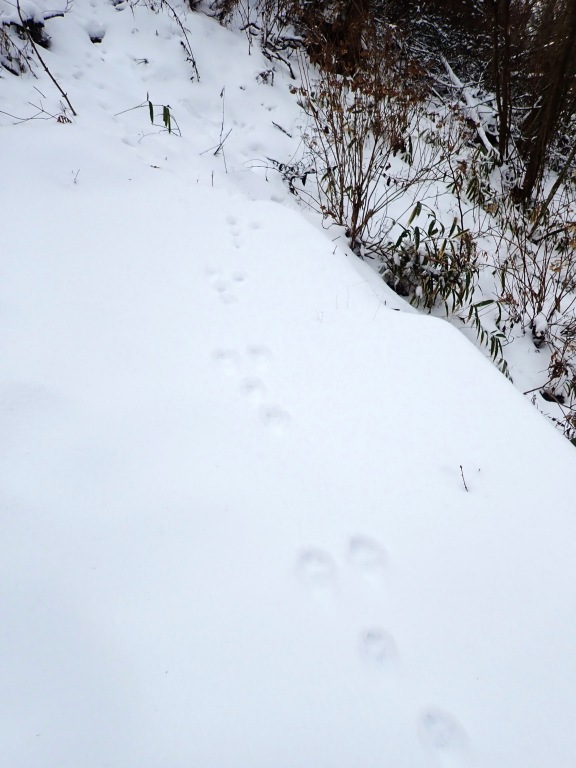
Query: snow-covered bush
x=12, y=57
x=432, y=264
x=22, y=27
x=269, y=22
x=358, y=127
x=537, y=275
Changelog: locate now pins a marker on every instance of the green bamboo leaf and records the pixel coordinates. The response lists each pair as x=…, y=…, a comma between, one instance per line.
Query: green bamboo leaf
x=402, y=236
x=166, y=118
x=415, y=212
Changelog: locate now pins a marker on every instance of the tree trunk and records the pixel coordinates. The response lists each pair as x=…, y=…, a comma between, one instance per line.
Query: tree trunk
x=542, y=122
x=502, y=71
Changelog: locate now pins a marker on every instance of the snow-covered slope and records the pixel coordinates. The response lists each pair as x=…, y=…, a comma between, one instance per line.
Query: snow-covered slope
x=251, y=513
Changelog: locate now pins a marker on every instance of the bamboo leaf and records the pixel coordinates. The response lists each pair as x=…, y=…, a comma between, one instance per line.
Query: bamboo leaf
x=166, y=118
x=415, y=213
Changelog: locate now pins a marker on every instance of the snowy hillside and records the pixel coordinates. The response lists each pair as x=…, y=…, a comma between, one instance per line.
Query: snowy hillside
x=255, y=510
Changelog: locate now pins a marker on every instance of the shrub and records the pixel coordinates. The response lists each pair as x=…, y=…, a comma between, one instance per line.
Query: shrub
x=356, y=125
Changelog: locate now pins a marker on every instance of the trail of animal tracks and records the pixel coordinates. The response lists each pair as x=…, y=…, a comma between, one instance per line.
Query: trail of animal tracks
x=234, y=525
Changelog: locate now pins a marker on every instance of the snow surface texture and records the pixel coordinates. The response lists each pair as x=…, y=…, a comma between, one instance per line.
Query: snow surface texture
x=234, y=525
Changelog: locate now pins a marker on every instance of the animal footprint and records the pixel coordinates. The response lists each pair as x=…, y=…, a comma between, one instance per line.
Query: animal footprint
x=235, y=230
x=260, y=358
x=274, y=417
x=253, y=389
x=367, y=556
x=227, y=359
x=256, y=360
x=377, y=647
x=223, y=286
x=441, y=732
x=316, y=569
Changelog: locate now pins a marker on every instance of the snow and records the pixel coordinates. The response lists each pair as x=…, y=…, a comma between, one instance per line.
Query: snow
x=254, y=509
x=11, y=12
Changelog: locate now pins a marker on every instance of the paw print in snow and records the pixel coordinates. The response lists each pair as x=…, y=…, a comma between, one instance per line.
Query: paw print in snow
x=317, y=571
x=250, y=369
